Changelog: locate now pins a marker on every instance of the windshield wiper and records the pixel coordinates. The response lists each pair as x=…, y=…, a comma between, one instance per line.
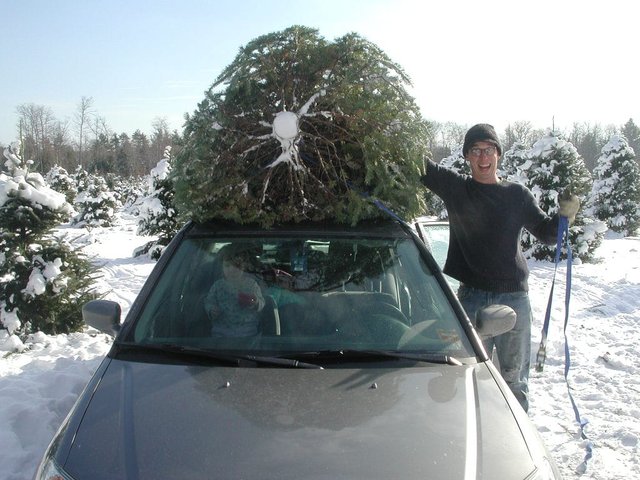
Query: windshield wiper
x=420, y=357
x=202, y=353
x=374, y=355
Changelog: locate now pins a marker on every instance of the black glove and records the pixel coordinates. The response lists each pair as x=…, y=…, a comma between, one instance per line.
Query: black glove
x=569, y=205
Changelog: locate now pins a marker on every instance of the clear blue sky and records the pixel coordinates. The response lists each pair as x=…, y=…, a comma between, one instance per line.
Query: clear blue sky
x=470, y=61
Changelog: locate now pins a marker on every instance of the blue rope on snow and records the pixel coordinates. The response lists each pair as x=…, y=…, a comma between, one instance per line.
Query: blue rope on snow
x=563, y=232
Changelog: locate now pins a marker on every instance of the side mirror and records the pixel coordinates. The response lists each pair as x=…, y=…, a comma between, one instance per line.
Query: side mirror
x=103, y=315
x=495, y=320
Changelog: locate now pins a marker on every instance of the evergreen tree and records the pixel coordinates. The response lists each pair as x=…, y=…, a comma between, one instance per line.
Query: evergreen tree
x=134, y=191
x=115, y=184
x=60, y=181
x=122, y=148
x=158, y=214
x=140, y=153
x=555, y=165
x=95, y=203
x=615, y=197
x=44, y=281
x=631, y=132
x=297, y=128
x=457, y=162
x=81, y=177
x=515, y=163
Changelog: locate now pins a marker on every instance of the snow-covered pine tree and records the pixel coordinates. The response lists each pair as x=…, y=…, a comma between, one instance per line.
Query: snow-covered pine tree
x=615, y=196
x=95, y=202
x=45, y=281
x=298, y=128
x=515, y=164
x=456, y=161
x=60, y=181
x=555, y=166
x=158, y=215
x=134, y=190
x=115, y=185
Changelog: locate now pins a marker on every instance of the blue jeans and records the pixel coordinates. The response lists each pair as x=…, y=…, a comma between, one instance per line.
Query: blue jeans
x=513, y=348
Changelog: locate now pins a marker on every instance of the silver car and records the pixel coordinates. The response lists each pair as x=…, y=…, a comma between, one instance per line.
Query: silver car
x=302, y=352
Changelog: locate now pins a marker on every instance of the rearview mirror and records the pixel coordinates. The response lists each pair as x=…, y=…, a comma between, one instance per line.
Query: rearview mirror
x=103, y=315
x=495, y=320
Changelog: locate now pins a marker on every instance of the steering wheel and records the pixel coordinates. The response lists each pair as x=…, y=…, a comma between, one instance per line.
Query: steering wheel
x=384, y=308
x=414, y=333
x=386, y=322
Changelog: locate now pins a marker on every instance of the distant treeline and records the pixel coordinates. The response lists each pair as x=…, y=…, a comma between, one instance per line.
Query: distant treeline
x=87, y=140
x=587, y=138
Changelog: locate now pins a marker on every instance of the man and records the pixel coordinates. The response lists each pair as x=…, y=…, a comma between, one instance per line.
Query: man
x=486, y=217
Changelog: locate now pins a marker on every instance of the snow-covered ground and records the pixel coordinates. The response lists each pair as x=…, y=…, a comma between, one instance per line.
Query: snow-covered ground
x=39, y=386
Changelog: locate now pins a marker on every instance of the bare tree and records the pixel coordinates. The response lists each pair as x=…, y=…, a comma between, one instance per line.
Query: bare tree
x=520, y=132
x=60, y=143
x=98, y=126
x=81, y=121
x=588, y=140
x=160, y=138
x=36, y=125
x=453, y=134
x=445, y=137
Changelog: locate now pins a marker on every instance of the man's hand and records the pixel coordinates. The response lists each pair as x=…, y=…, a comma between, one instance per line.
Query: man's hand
x=569, y=205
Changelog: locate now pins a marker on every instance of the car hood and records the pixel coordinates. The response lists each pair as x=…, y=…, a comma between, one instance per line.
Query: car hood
x=155, y=421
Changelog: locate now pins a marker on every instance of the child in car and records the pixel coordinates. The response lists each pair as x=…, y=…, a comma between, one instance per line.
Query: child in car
x=235, y=300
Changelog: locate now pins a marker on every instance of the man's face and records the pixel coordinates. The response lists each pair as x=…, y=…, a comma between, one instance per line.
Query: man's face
x=483, y=159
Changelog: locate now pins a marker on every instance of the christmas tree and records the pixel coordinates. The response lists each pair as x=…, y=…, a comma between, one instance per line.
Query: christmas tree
x=44, y=281
x=60, y=181
x=158, y=215
x=298, y=128
x=95, y=202
x=456, y=161
x=615, y=197
x=515, y=164
x=550, y=167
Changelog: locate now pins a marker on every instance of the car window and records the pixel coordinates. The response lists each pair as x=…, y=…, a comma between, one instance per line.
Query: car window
x=436, y=237
x=308, y=293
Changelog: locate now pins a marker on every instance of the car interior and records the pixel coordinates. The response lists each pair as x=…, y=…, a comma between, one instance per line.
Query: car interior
x=320, y=293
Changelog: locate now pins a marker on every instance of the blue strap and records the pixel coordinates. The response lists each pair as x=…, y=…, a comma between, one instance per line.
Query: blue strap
x=388, y=211
x=563, y=232
x=378, y=203
x=563, y=226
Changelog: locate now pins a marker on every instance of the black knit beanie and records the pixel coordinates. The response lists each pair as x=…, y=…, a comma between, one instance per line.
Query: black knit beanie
x=482, y=132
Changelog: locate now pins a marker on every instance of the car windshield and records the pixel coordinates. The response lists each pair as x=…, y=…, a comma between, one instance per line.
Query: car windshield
x=300, y=294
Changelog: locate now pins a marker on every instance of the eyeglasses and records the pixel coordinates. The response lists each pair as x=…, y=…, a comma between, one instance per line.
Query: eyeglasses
x=476, y=151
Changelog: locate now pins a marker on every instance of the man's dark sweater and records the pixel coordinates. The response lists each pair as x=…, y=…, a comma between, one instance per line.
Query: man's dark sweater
x=485, y=222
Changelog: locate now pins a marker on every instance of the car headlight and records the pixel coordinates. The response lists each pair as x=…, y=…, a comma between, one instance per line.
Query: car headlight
x=49, y=470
